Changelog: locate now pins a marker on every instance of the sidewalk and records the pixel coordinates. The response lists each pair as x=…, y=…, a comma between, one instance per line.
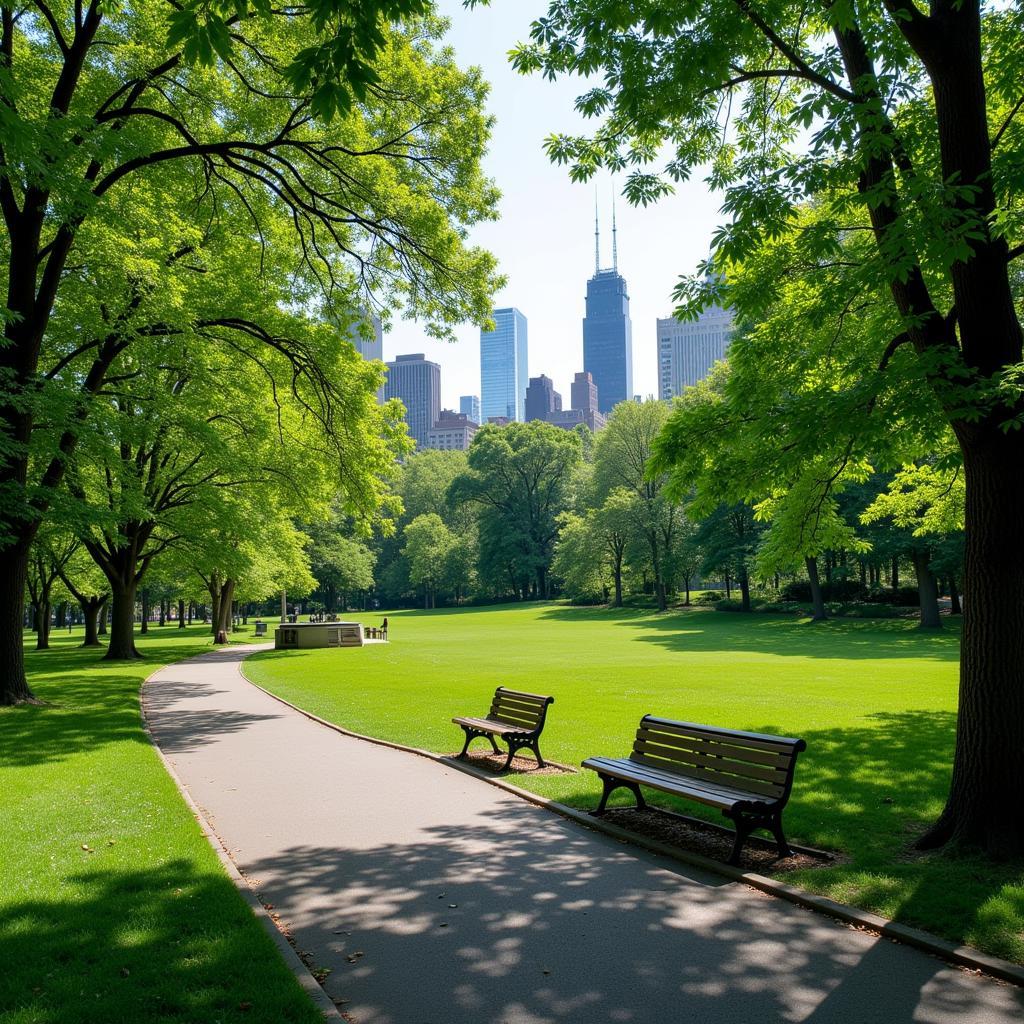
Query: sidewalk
x=437, y=899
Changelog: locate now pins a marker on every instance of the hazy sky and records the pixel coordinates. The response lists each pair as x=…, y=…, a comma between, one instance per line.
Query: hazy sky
x=544, y=240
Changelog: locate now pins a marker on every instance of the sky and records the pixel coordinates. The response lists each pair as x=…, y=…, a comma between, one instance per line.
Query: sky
x=544, y=239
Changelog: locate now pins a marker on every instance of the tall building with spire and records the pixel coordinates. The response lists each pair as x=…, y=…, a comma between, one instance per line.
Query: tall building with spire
x=607, y=330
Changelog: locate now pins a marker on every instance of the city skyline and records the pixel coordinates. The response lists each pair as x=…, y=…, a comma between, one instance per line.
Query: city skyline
x=544, y=239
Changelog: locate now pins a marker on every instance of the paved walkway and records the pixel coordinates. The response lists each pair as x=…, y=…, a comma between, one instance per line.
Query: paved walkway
x=437, y=899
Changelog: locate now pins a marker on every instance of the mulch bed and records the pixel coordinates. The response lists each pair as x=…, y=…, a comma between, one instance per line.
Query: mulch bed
x=699, y=837
x=495, y=764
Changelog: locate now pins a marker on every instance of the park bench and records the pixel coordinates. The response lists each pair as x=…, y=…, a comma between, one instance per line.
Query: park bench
x=261, y=629
x=747, y=775
x=516, y=717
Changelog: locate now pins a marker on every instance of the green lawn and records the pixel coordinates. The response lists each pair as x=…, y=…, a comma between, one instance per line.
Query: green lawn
x=144, y=925
x=875, y=700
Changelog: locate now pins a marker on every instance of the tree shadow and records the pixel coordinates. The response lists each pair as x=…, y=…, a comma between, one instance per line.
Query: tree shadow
x=179, y=730
x=868, y=792
x=526, y=919
x=88, y=702
x=709, y=631
x=125, y=944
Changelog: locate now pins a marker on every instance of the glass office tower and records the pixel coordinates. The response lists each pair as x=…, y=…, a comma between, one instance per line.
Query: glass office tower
x=608, y=338
x=417, y=382
x=503, y=366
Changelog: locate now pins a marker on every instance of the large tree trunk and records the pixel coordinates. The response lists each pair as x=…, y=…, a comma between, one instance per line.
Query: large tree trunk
x=104, y=618
x=745, y=589
x=122, y=621
x=986, y=806
x=14, y=688
x=181, y=614
x=227, y=597
x=928, y=591
x=617, y=573
x=92, y=608
x=817, y=598
x=44, y=612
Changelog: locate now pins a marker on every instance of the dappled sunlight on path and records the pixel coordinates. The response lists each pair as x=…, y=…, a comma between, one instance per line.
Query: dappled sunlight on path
x=433, y=897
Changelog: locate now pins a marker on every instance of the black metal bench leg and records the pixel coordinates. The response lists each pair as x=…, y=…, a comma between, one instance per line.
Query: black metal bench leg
x=743, y=830
x=780, y=838
x=494, y=746
x=470, y=736
x=535, y=747
x=511, y=754
x=610, y=785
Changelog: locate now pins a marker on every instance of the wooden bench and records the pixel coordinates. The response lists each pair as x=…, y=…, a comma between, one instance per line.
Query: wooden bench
x=516, y=717
x=747, y=775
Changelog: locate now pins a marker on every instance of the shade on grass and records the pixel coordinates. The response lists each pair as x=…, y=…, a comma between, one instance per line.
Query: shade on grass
x=875, y=700
x=144, y=925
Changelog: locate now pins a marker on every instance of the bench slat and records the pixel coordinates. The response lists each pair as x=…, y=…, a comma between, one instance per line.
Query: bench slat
x=491, y=725
x=768, y=758
x=703, y=776
x=755, y=740
x=684, y=759
x=523, y=695
x=712, y=795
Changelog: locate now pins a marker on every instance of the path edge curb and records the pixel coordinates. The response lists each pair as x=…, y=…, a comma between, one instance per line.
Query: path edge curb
x=962, y=956
x=321, y=1000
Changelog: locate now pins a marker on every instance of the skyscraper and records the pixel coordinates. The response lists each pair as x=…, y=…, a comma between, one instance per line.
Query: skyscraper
x=541, y=398
x=417, y=382
x=584, y=393
x=503, y=366
x=469, y=405
x=607, y=331
x=688, y=350
x=369, y=349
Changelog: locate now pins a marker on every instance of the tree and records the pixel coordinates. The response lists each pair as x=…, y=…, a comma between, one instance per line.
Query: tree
x=910, y=143
x=520, y=476
x=348, y=143
x=622, y=452
x=87, y=585
x=427, y=544
x=729, y=538
x=580, y=561
x=340, y=564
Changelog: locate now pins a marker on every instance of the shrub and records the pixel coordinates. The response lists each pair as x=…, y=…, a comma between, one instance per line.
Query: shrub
x=837, y=590
x=708, y=597
x=907, y=597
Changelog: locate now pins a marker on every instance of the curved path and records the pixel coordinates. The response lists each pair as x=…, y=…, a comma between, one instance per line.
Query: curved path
x=437, y=899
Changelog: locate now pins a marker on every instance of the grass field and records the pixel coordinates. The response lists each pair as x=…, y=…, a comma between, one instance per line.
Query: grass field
x=113, y=907
x=875, y=700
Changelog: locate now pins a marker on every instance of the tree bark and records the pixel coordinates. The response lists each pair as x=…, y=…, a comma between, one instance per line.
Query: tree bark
x=617, y=574
x=985, y=806
x=745, y=589
x=122, y=621
x=928, y=591
x=163, y=612
x=92, y=607
x=104, y=617
x=817, y=598
x=45, y=613
x=14, y=688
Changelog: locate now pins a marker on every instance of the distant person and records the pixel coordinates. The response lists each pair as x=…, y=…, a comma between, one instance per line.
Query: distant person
x=384, y=628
